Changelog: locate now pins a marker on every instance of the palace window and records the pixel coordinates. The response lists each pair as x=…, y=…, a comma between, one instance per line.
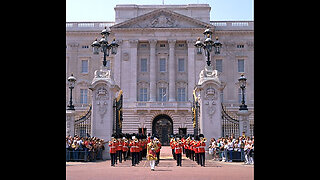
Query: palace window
x=162, y=45
x=143, y=94
x=143, y=45
x=240, y=65
x=181, y=65
x=143, y=65
x=240, y=46
x=84, y=66
x=162, y=94
x=181, y=94
x=83, y=96
x=162, y=65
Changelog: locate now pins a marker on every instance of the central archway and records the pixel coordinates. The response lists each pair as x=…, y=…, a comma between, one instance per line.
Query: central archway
x=162, y=127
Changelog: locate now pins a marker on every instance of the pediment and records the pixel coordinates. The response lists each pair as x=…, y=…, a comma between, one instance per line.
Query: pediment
x=162, y=18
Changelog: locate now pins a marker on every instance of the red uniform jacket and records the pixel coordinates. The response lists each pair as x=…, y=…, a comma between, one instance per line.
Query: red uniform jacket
x=195, y=145
x=172, y=144
x=201, y=147
x=113, y=147
x=134, y=147
x=119, y=148
x=125, y=146
x=159, y=145
x=178, y=148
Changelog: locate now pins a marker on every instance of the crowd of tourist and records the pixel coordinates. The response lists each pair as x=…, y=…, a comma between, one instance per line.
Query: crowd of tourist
x=84, y=148
x=225, y=148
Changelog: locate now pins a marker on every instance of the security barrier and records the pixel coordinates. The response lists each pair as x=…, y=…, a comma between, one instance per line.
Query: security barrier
x=77, y=155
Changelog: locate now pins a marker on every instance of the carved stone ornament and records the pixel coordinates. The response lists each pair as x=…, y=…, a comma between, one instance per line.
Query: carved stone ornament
x=162, y=21
x=102, y=73
x=210, y=97
x=208, y=73
x=125, y=56
x=102, y=95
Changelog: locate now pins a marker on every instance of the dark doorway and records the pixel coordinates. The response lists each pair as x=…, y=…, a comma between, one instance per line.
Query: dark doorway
x=183, y=131
x=162, y=127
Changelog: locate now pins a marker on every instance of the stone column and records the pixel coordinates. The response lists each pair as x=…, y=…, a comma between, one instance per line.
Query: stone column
x=104, y=90
x=153, y=70
x=70, y=117
x=133, y=68
x=117, y=63
x=208, y=89
x=172, y=71
x=244, y=125
x=191, y=69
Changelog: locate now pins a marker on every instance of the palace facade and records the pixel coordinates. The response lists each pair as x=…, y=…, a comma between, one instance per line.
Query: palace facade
x=157, y=66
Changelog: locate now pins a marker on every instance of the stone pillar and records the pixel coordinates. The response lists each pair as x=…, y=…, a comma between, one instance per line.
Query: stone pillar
x=191, y=69
x=104, y=90
x=70, y=117
x=244, y=125
x=117, y=63
x=210, y=103
x=153, y=70
x=133, y=68
x=172, y=71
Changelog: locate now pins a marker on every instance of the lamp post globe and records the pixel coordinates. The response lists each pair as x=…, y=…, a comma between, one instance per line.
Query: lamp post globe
x=71, y=84
x=104, y=46
x=207, y=45
x=242, y=83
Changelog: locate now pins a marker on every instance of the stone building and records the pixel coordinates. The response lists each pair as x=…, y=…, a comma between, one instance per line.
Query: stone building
x=157, y=65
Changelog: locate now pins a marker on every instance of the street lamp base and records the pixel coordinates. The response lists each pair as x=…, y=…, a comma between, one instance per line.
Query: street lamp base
x=243, y=107
x=70, y=107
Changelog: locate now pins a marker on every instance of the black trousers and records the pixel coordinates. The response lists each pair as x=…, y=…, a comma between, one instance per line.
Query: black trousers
x=173, y=154
x=178, y=159
x=125, y=155
x=158, y=158
x=134, y=158
x=113, y=158
x=119, y=154
x=202, y=158
x=192, y=155
x=197, y=158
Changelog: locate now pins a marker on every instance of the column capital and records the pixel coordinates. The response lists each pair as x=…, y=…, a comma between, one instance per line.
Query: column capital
x=133, y=42
x=172, y=42
x=152, y=42
x=191, y=43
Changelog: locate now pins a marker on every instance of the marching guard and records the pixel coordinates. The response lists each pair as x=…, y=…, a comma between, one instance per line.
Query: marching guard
x=125, y=148
x=158, y=143
x=134, y=149
x=151, y=153
x=113, y=150
x=178, y=151
x=201, y=151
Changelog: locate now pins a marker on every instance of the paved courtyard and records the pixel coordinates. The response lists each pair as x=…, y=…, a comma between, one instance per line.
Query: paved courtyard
x=167, y=170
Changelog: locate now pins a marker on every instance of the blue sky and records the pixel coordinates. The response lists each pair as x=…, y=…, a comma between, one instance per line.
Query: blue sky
x=103, y=10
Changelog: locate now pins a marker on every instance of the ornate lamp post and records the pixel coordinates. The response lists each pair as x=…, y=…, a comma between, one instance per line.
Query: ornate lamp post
x=104, y=46
x=208, y=44
x=242, y=83
x=71, y=83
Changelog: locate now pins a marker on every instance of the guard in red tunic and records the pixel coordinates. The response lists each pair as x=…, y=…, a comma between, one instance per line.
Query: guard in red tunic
x=172, y=141
x=196, y=152
x=201, y=151
x=125, y=148
x=119, y=150
x=134, y=149
x=113, y=150
x=178, y=150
